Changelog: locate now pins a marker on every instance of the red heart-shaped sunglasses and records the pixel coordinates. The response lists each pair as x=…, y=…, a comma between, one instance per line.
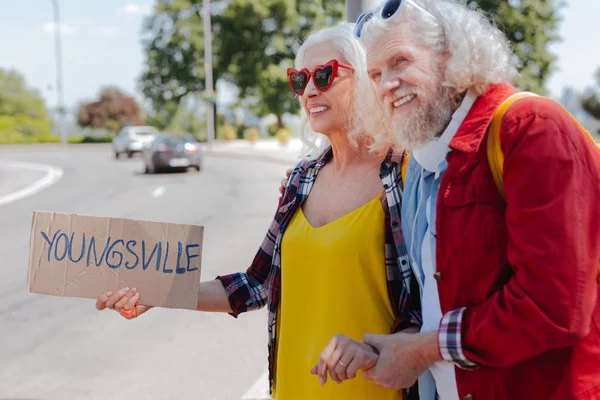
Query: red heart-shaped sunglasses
x=323, y=76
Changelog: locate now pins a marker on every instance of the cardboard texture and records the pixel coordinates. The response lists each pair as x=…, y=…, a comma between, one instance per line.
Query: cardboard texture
x=83, y=256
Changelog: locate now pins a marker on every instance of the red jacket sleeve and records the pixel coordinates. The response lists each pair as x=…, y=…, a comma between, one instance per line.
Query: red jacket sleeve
x=552, y=185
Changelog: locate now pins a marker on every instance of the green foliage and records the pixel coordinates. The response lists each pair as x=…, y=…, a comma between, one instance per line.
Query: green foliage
x=254, y=41
x=240, y=131
x=530, y=25
x=283, y=135
x=591, y=102
x=23, y=114
x=25, y=129
x=229, y=132
x=89, y=139
x=174, y=47
x=186, y=121
x=258, y=40
x=17, y=99
x=252, y=134
x=273, y=128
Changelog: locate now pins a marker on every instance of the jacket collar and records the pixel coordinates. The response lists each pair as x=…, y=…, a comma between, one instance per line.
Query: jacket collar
x=470, y=134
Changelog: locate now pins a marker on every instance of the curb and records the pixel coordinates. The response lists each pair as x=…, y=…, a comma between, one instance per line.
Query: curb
x=287, y=161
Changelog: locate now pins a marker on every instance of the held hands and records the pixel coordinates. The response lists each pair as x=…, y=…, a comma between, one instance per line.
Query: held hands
x=124, y=301
x=403, y=357
x=342, y=358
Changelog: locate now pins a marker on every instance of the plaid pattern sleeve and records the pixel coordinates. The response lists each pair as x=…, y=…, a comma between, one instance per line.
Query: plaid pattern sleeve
x=403, y=289
x=449, y=339
x=246, y=290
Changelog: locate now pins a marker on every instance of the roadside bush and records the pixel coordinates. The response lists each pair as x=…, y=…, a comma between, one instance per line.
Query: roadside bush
x=252, y=134
x=229, y=132
x=22, y=129
x=89, y=139
x=240, y=131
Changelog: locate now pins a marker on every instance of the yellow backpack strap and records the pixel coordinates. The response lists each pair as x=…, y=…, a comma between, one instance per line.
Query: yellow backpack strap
x=403, y=168
x=494, y=147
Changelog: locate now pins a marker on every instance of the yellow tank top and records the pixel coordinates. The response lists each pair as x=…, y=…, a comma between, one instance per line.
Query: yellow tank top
x=333, y=280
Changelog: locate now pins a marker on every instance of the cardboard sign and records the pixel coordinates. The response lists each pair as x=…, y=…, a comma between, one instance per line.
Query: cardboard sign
x=82, y=256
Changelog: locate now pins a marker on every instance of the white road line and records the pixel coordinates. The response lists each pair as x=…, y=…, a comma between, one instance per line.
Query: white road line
x=159, y=191
x=52, y=176
x=260, y=389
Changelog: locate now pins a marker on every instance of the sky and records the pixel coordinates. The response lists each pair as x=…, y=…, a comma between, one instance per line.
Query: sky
x=101, y=46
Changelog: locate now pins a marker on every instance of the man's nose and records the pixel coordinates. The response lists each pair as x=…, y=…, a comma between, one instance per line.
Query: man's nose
x=389, y=83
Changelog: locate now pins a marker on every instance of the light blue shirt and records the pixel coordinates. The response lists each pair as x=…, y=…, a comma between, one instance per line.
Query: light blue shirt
x=419, y=202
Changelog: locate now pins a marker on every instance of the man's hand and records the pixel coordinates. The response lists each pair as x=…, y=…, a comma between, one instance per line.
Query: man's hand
x=403, y=357
x=343, y=357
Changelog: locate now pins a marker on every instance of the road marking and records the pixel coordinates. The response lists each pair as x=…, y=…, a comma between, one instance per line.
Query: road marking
x=52, y=176
x=260, y=389
x=159, y=191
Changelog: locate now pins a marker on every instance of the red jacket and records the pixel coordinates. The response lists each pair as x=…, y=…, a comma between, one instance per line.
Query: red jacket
x=526, y=270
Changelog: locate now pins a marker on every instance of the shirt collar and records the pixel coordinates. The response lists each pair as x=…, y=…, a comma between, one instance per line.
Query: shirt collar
x=436, y=149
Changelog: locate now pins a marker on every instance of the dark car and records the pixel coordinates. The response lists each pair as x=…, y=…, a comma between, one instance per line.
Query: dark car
x=169, y=151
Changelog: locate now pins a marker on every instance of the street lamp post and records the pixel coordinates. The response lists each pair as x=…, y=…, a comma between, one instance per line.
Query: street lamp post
x=356, y=7
x=59, y=79
x=208, y=73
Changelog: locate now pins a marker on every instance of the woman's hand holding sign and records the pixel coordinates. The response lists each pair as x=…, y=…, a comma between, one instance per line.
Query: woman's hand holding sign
x=124, y=301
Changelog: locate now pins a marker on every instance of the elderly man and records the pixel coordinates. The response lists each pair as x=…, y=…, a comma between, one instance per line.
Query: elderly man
x=508, y=284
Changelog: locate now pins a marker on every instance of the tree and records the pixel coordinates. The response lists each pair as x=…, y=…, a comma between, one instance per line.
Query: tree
x=174, y=47
x=591, y=102
x=258, y=41
x=530, y=25
x=111, y=111
x=17, y=99
x=23, y=114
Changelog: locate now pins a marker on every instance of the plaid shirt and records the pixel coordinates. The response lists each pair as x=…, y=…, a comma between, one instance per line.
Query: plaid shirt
x=260, y=285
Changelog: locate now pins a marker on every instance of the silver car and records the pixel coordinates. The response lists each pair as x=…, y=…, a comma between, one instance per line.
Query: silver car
x=168, y=152
x=133, y=139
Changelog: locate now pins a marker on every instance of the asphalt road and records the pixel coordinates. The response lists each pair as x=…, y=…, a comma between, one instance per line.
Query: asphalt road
x=62, y=348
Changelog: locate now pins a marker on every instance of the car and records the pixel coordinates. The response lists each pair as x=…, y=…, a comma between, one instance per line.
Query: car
x=169, y=151
x=133, y=139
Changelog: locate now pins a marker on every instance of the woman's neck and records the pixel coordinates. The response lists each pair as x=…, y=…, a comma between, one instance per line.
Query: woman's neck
x=346, y=155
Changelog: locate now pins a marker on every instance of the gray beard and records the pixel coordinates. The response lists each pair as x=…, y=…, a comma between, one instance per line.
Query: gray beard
x=425, y=124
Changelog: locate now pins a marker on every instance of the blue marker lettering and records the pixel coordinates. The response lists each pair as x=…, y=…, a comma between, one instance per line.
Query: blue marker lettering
x=66, y=247
x=97, y=261
x=156, y=249
x=165, y=270
x=179, y=252
x=190, y=256
x=50, y=242
x=130, y=250
x=71, y=248
x=112, y=255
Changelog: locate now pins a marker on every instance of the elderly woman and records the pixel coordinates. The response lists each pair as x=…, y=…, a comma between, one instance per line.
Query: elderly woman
x=333, y=261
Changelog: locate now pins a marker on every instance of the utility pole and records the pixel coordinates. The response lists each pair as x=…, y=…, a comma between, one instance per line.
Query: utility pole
x=356, y=7
x=59, y=80
x=208, y=73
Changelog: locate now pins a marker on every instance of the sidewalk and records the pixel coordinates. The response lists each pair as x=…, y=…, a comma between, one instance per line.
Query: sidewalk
x=268, y=149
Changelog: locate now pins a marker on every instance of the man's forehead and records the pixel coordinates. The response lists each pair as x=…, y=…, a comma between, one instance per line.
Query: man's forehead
x=388, y=46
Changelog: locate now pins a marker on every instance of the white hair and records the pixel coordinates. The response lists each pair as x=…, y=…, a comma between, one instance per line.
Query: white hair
x=476, y=53
x=368, y=116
